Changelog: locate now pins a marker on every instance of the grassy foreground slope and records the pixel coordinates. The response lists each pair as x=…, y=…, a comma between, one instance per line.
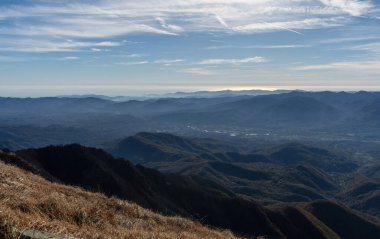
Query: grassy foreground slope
x=32, y=205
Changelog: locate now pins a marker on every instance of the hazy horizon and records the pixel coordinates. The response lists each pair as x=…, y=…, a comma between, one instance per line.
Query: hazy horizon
x=29, y=92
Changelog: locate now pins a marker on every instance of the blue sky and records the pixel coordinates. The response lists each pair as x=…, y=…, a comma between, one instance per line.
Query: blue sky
x=119, y=47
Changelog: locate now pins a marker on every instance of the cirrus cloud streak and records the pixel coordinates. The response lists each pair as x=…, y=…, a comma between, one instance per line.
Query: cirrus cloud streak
x=52, y=22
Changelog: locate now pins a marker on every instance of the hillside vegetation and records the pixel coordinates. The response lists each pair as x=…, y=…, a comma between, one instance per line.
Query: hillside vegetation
x=30, y=205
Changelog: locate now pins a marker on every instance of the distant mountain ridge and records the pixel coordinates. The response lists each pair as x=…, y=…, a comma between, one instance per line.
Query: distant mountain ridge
x=284, y=114
x=194, y=94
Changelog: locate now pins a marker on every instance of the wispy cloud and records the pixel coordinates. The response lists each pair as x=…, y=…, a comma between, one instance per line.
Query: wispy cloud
x=283, y=46
x=169, y=62
x=47, y=21
x=199, y=71
x=307, y=23
x=50, y=45
x=96, y=49
x=170, y=27
x=348, y=39
x=133, y=63
x=256, y=59
x=352, y=7
x=69, y=58
x=257, y=47
x=343, y=66
x=370, y=47
x=221, y=21
x=134, y=55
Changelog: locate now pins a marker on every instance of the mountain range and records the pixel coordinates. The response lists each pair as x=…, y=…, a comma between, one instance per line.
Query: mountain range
x=36, y=122
x=271, y=164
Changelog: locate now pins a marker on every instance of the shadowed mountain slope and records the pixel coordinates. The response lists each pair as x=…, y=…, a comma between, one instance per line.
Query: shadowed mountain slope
x=295, y=153
x=148, y=148
x=290, y=172
x=345, y=222
x=33, y=208
x=188, y=196
x=363, y=195
x=95, y=170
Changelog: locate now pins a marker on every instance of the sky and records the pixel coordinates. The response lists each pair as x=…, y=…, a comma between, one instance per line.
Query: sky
x=126, y=47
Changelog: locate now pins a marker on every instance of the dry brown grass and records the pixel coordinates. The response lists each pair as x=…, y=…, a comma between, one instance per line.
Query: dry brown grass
x=29, y=202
